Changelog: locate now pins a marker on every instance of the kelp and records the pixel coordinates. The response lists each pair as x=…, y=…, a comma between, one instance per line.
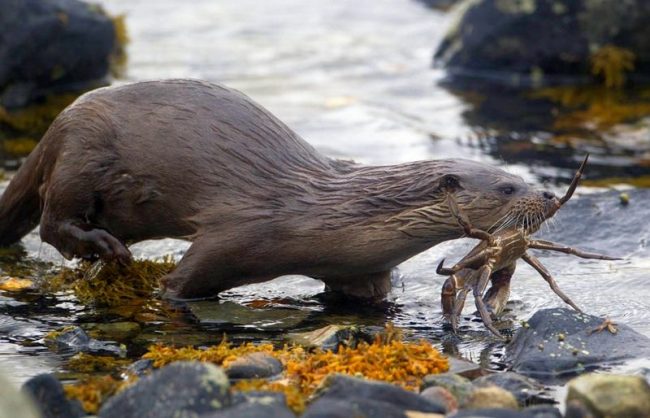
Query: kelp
x=111, y=284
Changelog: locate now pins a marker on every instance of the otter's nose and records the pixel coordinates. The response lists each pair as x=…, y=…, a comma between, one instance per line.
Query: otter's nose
x=548, y=195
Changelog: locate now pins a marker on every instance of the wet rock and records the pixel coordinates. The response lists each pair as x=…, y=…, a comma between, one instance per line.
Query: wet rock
x=69, y=47
x=14, y=403
x=47, y=392
x=543, y=411
x=254, y=366
x=254, y=405
x=330, y=337
x=354, y=407
x=222, y=313
x=440, y=4
x=342, y=387
x=490, y=397
x=490, y=413
x=442, y=396
x=75, y=340
x=576, y=409
x=526, y=390
x=140, y=368
x=465, y=368
x=115, y=330
x=459, y=386
x=608, y=395
x=180, y=389
x=560, y=341
x=533, y=42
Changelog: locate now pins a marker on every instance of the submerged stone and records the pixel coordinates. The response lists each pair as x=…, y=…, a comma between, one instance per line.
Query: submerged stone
x=230, y=313
x=535, y=42
x=47, y=392
x=74, y=339
x=561, y=341
x=608, y=395
x=330, y=337
x=180, y=389
x=491, y=413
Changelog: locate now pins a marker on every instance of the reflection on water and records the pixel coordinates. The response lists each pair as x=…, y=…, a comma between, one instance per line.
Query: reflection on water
x=353, y=77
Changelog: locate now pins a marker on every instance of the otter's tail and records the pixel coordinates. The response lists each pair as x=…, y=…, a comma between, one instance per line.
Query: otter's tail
x=20, y=206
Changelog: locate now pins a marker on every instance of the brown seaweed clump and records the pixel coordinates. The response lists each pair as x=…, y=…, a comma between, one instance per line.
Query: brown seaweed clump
x=110, y=284
x=92, y=392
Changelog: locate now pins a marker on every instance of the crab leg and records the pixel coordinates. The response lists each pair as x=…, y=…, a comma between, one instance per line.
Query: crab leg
x=448, y=296
x=537, y=265
x=548, y=245
x=464, y=222
x=474, y=261
x=479, y=288
x=574, y=182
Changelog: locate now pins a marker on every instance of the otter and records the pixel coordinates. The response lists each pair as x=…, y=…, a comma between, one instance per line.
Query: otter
x=198, y=161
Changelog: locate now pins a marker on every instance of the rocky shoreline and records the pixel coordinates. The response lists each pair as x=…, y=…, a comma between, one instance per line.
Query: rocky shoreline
x=346, y=376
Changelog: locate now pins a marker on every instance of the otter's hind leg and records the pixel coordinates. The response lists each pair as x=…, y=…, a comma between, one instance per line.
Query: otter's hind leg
x=67, y=221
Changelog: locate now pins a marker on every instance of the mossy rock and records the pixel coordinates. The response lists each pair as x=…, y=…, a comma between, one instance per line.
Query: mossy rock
x=544, y=42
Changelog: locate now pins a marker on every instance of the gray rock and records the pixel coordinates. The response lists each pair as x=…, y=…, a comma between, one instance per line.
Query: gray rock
x=544, y=411
x=491, y=413
x=459, y=386
x=47, y=392
x=440, y=395
x=14, y=403
x=75, y=340
x=532, y=42
x=352, y=407
x=465, y=368
x=339, y=386
x=140, y=368
x=182, y=389
x=330, y=337
x=54, y=45
x=560, y=341
x=254, y=366
x=609, y=395
x=490, y=397
x=255, y=405
x=526, y=390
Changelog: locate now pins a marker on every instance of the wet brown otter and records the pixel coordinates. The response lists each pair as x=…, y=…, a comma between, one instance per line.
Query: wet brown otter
x=193, y=160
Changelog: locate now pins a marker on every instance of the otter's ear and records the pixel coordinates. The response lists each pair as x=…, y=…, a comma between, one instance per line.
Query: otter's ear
x=449, y=183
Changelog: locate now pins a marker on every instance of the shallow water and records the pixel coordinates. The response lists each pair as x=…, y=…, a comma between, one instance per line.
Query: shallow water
x=354, y=78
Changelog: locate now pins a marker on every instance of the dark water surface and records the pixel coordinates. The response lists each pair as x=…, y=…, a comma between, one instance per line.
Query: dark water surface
x=354, y=78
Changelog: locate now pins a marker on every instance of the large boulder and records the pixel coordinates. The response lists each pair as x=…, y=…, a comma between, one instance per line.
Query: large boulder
x=561, y=341
x=181, y=389
x=608, y=395
x=50, y=47
x=529, y=42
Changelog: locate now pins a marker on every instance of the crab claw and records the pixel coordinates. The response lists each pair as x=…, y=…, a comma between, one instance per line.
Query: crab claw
x=440, y=267
x=574, y=182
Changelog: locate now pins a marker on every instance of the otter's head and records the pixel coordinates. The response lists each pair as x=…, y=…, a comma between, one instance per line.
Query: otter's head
x=491, y=198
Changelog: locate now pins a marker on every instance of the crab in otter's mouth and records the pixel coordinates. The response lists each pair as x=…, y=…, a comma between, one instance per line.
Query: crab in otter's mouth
x=495, y=257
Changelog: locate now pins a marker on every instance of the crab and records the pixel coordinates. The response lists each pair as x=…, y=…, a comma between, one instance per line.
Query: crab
x=494, y=259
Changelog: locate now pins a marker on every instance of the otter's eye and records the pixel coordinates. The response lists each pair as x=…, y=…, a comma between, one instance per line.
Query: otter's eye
x=450, y=182
x=508, y=190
